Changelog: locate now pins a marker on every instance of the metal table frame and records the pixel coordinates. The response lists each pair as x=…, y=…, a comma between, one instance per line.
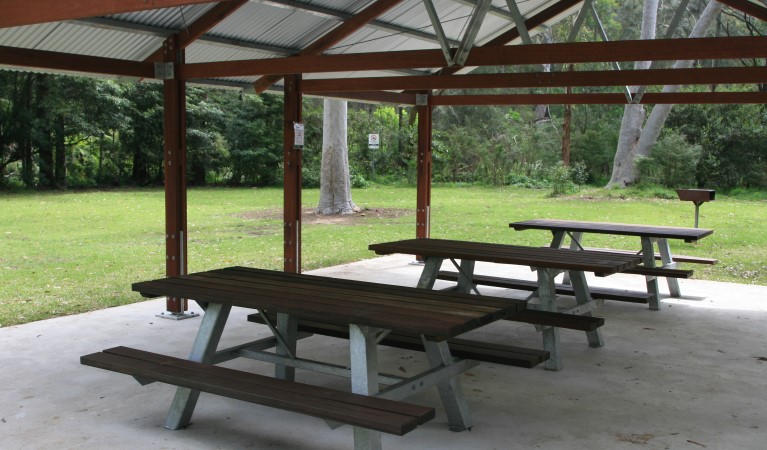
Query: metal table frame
x=363, y=370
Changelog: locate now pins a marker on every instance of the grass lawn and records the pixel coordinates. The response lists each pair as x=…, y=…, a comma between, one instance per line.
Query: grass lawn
x=65, y=253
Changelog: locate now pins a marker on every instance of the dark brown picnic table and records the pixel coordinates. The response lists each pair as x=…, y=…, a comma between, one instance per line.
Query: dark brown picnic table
x=547, y=262
x=650, y=236
x=368, y=311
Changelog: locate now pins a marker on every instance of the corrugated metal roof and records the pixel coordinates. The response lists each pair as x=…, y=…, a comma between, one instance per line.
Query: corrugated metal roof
x=267, y=28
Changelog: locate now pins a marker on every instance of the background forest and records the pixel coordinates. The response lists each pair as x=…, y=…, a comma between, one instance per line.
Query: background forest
x=66, y=132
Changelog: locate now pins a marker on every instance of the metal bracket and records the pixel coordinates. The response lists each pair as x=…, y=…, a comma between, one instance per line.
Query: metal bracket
x=422, y=99
x=177, y=316
x=164, y=71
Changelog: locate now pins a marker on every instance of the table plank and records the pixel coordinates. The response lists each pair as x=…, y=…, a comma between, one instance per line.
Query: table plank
x=601, y=263
x=342, y=302
x=652, y=231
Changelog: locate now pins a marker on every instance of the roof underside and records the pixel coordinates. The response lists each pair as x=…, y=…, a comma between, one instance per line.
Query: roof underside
x=255, y=31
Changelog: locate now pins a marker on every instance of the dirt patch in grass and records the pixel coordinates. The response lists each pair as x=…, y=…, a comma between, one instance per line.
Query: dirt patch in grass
x=309, y=216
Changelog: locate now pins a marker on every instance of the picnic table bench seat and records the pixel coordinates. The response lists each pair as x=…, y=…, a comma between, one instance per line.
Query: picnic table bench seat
x=658, y=257
x=597, y=293
x=666, y=272
x=461, y=348
x=387, y=416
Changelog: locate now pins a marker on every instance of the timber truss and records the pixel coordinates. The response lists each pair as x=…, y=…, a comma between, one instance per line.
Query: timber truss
x=398, y=75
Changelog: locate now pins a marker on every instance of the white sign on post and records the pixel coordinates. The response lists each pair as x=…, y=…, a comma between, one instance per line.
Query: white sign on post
x=298, y=133
x=373, y=141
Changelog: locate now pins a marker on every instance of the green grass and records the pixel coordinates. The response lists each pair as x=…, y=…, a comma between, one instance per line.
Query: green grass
x=65, y=253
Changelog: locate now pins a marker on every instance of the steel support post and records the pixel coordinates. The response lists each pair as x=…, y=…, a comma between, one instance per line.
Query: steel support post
x=174, y=165
x=292, y=176
x=423, y=195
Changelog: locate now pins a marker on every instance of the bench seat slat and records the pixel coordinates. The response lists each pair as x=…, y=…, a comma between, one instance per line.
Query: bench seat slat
x=597, y=293
x=358, y=410
x=660, y=272
x=461, y=348
x=676, y=258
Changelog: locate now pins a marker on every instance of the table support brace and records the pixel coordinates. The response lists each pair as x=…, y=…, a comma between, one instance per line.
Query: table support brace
x=203, y=350
x=456, y=407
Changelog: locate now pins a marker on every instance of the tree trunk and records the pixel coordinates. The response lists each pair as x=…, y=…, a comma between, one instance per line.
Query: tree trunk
x=624, y=164
x=660, y=113
x=567, y=127
x=638, y=142
x=335, y=182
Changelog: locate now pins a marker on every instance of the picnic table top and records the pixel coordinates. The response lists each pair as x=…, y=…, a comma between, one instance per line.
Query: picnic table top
x=601, y=263
x=687, y=234
x=437, y=315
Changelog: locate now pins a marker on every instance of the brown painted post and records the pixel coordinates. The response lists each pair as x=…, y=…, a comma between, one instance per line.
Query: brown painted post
x=174, y=151
x=423, y=194
x=292, y=178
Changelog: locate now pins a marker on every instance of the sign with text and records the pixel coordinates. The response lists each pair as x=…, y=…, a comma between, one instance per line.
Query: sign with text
x=373, y=141
x=298, y=135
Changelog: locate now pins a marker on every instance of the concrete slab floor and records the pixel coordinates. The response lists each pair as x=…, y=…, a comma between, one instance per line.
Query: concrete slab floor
x=691, y=376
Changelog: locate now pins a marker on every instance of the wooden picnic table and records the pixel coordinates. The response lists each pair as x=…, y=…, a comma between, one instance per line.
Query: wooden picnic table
x=650, y=236
x=368, y=311
x=547, y=262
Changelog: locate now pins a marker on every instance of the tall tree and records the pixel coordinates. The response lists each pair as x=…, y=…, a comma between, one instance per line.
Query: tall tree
x=635, y=140
x=335, y=182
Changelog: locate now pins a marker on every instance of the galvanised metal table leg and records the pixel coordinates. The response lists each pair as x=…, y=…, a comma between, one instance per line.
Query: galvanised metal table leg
x=203, y=349
x=364, y=362
x=668, y=262
x=287, y=327
x=465, y=275
x=548, y=297
x=429, y=275
x=583, y=297
x=450, y=390
x=648, y=258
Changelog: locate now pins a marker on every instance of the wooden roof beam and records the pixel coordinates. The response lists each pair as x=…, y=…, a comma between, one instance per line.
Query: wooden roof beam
x=677, y=98
x=374, y=97
x=719, y=75
x=202, y=25
x=78, y=63
x=562, y=53
x=748, y=7
x=23, y=12
x=341, y=32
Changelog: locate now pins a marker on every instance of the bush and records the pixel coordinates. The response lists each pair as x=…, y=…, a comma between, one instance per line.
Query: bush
x=672, y=163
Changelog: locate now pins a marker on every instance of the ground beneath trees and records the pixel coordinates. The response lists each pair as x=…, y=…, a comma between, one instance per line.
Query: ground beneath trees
x=309, y=216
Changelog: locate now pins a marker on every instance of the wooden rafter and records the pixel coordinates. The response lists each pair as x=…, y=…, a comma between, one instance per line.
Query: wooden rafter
x=23, y=12
x=78, y=63
x=202, y=25
x=563, y=53
x=720, y=75
x=341, y=32
x=374, y=97
x=600, y=99
x=748, y=7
